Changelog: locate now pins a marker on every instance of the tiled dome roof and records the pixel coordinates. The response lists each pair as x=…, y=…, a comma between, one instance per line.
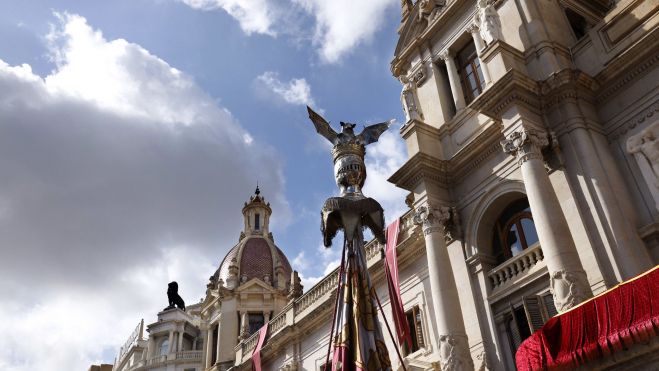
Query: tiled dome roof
x=256, y=257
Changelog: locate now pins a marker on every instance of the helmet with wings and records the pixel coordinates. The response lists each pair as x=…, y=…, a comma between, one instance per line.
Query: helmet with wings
x=369, y=135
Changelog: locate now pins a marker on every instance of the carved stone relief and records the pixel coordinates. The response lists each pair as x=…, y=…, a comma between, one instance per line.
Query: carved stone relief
x=644, y=146
x=488, y=21
x=569, y=288
x=454, y=353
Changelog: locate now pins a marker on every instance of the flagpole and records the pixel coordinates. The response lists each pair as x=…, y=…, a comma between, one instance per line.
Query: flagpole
x=336, y=305
x=400, y=358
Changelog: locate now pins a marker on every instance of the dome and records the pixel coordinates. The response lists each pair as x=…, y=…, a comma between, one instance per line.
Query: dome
x=256, y=257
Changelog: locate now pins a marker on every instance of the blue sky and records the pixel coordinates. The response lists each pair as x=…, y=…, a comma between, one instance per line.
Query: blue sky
x=131, y=132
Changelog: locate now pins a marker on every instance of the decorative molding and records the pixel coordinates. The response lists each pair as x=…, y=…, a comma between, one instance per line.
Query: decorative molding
x=632, y=123
x=609, y=91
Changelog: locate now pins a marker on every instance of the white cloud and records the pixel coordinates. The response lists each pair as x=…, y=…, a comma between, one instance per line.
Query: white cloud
x=254, y=16
x=339, y=26
x=295, y=91
x=383, y=158
x=115, y=182
x=342, y=25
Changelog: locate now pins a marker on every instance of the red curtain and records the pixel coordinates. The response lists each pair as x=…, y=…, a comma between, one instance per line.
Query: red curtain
x=256, y=356
x=391, y=273
x=608, y=323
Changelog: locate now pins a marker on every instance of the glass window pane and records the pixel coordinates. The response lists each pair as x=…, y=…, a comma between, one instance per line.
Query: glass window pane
x=472, y=82
x=513, y=241
x=530, y=233
x=480, y=77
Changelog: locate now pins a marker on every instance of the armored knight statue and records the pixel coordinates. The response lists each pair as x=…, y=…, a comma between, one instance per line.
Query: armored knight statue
x=358, y=340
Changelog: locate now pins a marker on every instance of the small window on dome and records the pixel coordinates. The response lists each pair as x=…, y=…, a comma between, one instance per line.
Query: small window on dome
x=257, y=221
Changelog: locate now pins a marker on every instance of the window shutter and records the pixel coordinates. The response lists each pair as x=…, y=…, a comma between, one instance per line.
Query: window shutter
x=419, y=328
x=549, y=305
x=513, y=329
x=533, y=309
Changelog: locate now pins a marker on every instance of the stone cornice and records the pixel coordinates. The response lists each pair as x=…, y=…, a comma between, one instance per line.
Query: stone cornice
x=567, y=84
x=420, y=127
x=421, y=167
x=512, y=88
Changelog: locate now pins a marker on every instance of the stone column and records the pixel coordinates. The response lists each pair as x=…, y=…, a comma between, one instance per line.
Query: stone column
x=568, y=281
x=480, y=45
x=453, y=345
x=179, y=347
x=219, y=342
x=454, y=79
x=151, y=347
x=244, y=325
x=171, y=341
x=209, y=346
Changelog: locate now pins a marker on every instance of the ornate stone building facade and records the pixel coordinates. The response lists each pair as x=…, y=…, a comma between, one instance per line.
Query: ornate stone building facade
x=533, y=174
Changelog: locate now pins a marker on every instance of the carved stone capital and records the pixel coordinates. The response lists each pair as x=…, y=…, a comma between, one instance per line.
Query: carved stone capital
x=432, y=218
x=569, y=288
x=525, y=144
x=438, y=219
x=454, y=353
x=445, y=55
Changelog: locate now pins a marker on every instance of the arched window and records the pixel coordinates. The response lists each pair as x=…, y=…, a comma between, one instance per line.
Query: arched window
x=514, y=231
x=164, y=347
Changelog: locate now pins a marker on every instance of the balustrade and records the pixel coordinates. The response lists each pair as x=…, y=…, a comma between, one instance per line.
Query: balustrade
x=515, y=266
x=189, y=354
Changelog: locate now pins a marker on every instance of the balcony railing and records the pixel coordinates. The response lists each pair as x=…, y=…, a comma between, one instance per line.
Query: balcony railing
x=189, y=354
x=516, y=266
x=157, y=360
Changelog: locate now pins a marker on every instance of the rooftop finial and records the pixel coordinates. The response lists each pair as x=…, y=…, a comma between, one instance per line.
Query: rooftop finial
x=258, y=191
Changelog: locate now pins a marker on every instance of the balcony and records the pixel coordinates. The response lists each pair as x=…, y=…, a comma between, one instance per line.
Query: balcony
x=189, y=354
x=522, y=266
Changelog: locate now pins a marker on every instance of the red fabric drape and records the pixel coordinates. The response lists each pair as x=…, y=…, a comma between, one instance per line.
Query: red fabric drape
x=256, y=355
x=391, y=272
x=608, y=323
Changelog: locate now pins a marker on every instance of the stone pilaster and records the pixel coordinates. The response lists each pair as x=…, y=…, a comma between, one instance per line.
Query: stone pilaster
x=454, y=79
x=568, y=281
x=452, y=338
x=209, y=346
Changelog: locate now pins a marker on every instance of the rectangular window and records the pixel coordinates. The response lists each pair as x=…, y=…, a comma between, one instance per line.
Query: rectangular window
x=415, y=323
x=471, y=75
x=255, y=321
x=257, y=221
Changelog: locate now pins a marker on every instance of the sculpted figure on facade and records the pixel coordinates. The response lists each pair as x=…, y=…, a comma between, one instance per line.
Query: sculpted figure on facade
x=428, y=9
x=644, y=146
x=408, y=99
x=488, y=21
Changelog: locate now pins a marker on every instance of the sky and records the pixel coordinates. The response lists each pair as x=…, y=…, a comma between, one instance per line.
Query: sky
x=132, y=132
